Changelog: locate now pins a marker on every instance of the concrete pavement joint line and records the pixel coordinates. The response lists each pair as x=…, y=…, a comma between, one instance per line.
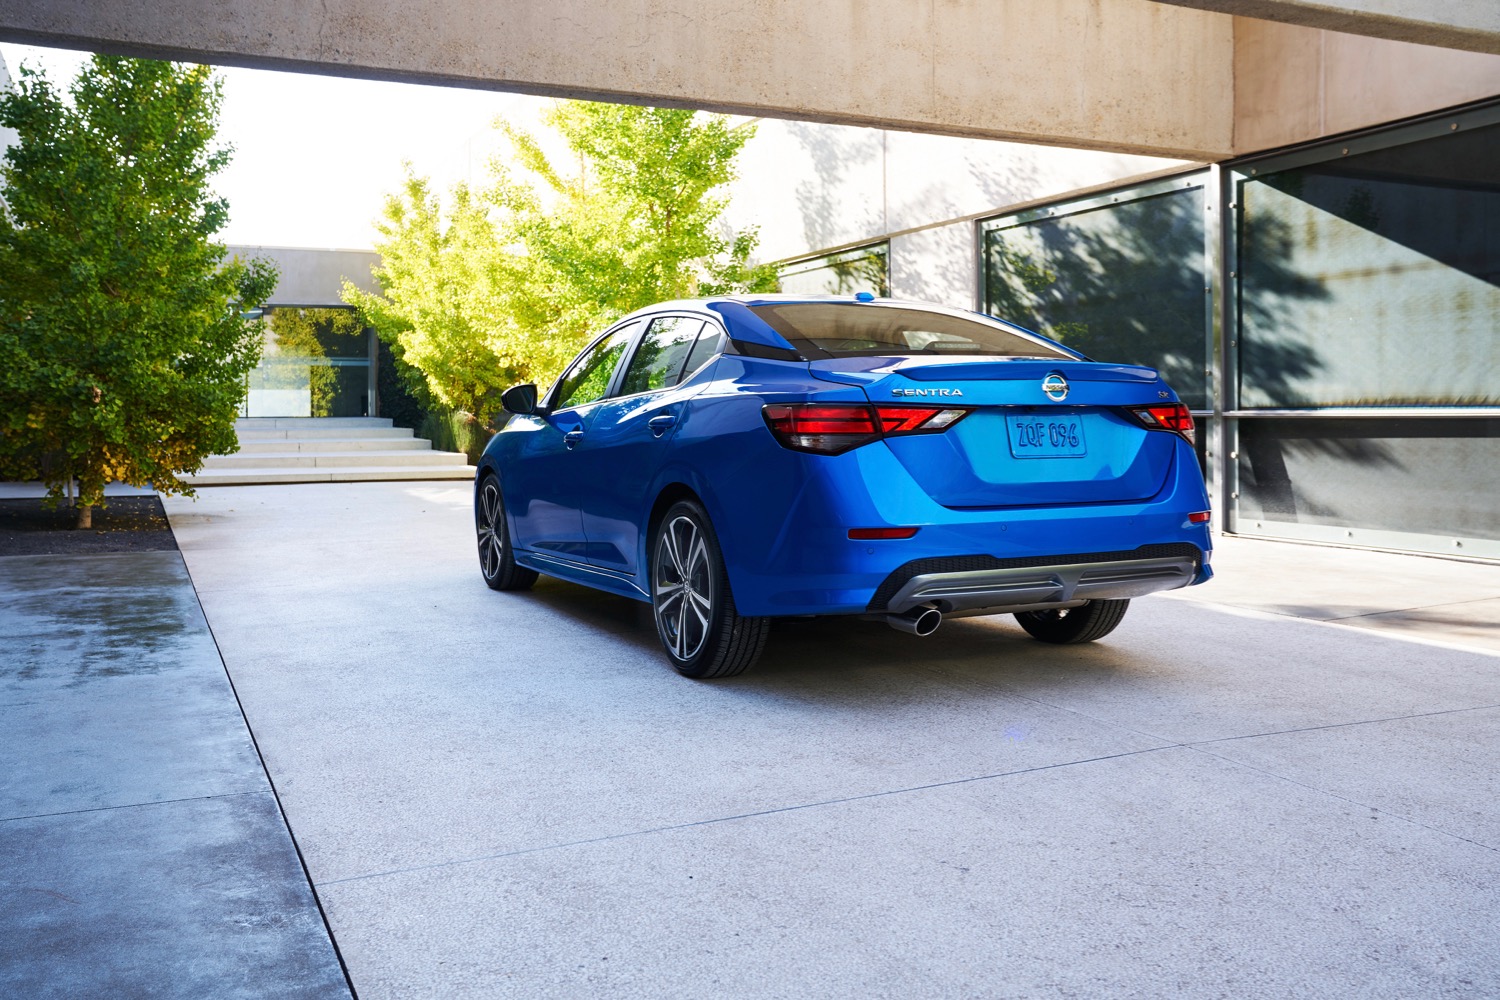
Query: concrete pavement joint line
x=133, y=805
x=739, y=816
x=1337, y=725
x=271, y=782
x=1344, y=798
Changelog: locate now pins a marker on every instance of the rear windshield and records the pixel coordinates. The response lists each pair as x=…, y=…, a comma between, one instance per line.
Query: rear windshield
x=838, y=329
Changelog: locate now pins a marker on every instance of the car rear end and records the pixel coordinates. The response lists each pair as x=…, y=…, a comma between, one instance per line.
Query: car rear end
x=952, y=463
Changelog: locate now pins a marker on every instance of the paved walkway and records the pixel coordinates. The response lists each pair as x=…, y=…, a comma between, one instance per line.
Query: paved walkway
x=1239, y=793
x=142, y=852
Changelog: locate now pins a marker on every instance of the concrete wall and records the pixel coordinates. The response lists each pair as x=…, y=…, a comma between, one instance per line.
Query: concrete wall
x=311, y=277
x=7, y=135
x=1127, y=75
x=811, y=188
x=1295, y=84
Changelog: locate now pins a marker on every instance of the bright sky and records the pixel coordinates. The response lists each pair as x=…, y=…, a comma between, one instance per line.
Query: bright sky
x=315, y=156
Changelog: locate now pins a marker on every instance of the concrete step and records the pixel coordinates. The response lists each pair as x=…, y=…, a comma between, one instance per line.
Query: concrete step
x=351, y=474
x=333, y=459
x=308, y=423
x=281, y=445
x=321, y=433
x=328, y=449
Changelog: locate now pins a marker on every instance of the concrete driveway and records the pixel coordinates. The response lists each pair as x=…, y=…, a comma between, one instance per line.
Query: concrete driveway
x=513, y=795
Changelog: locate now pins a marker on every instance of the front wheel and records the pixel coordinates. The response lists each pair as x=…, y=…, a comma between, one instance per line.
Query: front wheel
x=695, y=616
x=496, y=560
x=1094, y=620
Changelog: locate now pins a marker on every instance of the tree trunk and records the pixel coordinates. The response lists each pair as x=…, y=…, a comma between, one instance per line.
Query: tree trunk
x=85, y=516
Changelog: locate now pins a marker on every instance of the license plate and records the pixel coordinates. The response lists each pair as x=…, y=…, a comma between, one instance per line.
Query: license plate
x=1033, y=436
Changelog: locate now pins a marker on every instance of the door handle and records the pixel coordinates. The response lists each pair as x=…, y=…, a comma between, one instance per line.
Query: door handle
x=661, y=424
x=572, y=438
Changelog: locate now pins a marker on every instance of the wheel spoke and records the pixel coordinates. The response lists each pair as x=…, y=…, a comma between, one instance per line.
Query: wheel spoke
x=669, y=542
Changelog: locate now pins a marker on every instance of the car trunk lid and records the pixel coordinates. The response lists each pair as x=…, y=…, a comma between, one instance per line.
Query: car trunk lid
x=1039, y=431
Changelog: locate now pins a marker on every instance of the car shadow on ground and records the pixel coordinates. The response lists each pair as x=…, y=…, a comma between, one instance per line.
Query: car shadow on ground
x=982, y=651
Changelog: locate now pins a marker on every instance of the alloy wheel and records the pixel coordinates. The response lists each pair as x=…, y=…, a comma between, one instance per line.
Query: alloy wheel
x=683, y=578
x=491, y=532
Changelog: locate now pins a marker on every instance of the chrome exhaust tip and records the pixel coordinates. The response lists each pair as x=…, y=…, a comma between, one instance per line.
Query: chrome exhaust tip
x=923, y=620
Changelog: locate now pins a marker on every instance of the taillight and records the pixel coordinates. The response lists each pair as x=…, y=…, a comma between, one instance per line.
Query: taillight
x=1173, y=417
x=833, y=428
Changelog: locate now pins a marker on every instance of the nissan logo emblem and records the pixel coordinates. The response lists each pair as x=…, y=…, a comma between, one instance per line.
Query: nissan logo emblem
x=1056, y=387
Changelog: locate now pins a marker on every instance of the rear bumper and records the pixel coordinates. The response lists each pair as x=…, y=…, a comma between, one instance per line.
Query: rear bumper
x=965, y=584
x=788, y=552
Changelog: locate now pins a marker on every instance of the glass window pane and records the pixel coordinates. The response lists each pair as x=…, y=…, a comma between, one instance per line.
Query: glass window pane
x=710, y=342
x=866, y=269
x=589, y=377
x=849, y=329
x=1125, y=283
x=659, y=361
x=1431, y=476
x=1374, y=279
x=314, y=363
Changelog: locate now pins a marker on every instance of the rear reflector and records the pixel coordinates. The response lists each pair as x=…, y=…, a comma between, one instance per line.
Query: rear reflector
x=1201, y=517
x=832, y=428
x=1173, y=417
x=869, y=533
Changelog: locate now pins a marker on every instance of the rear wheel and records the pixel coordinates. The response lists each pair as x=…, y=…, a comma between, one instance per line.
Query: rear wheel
x=695, y=616
x=1094, y=620
x=496, y=560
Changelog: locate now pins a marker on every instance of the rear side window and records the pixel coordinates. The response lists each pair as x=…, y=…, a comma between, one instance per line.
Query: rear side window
x=588, y=379
x=839, y=329
x=710, y=342
x=663, y=355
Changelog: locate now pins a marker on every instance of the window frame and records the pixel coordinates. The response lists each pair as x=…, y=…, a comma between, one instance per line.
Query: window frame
x=711, y=323
x=612, y=385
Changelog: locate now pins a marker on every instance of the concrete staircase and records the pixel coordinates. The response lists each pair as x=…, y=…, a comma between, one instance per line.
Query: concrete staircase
x=327, y=450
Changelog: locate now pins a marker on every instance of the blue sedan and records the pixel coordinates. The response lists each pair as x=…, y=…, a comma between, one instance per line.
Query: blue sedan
x=740, y=459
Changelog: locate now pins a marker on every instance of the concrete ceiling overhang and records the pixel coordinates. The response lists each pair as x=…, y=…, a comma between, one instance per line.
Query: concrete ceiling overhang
x=1124, y=75
x=1455, y=24
x=1176, y=78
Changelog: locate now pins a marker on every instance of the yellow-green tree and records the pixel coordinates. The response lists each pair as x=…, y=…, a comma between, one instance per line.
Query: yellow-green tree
x=123, y=353
x=504, y=285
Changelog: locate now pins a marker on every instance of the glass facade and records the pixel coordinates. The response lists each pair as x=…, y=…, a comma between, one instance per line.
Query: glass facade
x=314, y=363
x=1332, y=314
x=1364, y=319
x=866, y=269
x=1120, y=278
x=1373, y=279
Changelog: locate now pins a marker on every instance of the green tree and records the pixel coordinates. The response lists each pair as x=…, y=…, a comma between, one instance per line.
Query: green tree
x=506, y=284
x=123, y=353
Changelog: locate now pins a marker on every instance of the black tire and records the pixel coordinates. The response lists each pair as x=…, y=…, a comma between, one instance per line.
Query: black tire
x=1094, y=620
x=702, y=633
x=496, y=561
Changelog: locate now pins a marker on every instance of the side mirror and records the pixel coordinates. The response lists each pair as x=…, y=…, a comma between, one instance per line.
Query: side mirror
x=519, y=399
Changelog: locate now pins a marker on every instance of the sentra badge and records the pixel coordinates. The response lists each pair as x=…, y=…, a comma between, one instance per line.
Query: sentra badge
x=1056, y=387
x=932, y=392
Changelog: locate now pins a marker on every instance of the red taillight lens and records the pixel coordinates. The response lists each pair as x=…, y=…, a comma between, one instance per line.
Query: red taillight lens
x=1173, y=417
x=832, y=428
x=1200, y=517
x=873, y=533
